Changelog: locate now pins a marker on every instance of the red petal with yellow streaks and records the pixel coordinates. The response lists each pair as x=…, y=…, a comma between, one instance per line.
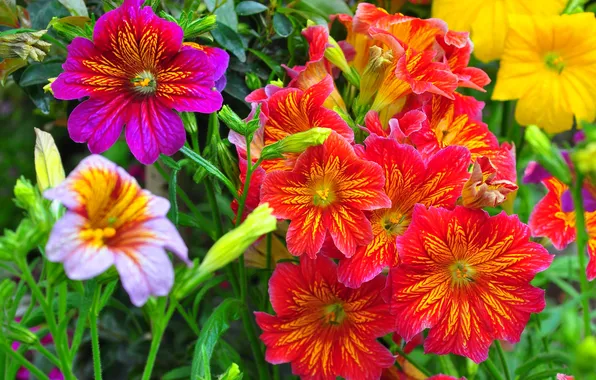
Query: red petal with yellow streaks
x=548, y=218
x=327, y=190
x=322, y=328
x=466, y=276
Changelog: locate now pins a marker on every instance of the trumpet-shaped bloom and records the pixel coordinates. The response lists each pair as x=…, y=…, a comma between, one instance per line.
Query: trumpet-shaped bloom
x=408, y=180
x=483, y=189
x=322, y=328
x=136, y=72
x=554, y=217
x=109, y=221
x=326, y=192
x=466, y=276
x=549, y=65
x=292, y=110
x=487, y=21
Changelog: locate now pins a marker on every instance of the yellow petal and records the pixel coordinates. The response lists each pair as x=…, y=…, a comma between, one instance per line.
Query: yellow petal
x=488, y=31
x=48, y=164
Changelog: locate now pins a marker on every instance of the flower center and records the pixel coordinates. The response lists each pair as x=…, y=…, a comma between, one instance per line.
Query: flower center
x=334, y=314
x=144, y=83
x=323, y=195
x=394, y=223
x=97, y=236
x=554, y=61
x=462, y=273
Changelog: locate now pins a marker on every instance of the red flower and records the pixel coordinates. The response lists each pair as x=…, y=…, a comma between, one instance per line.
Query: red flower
x=327, y=191
x=409, y=180
x=292, y=110
x=550, y=219
x=484, y=189
x=466, y=276
x=322, y=328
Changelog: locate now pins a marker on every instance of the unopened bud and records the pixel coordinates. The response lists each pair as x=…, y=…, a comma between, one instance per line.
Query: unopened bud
x=547, y=154
x=16, y=332
x=296, y=143
x=253, y=82
x=48, y=164
x=190, y=122
x=194, y=28
x=72, y=27
x=24, y=45
x=374, y=74
x=227, y=161
x=25, y=194
x=235, y=123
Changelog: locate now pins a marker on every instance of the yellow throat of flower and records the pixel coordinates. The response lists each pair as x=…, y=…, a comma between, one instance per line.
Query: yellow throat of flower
x=323, y=195
x=554, y=62
x=97, y=236
x=144, y=83
x=462, y=273
x=334, y=314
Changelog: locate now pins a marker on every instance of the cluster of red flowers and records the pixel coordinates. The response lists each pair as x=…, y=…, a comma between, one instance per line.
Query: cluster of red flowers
x=400, y=183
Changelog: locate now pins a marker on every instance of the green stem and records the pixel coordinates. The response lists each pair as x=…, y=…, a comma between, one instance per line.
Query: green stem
x=492, y=368
x=61, y=348
x=94, y=333
x=19, y=358
x=45, y=352
x=502, y=359
x=581, y=241
x=418, y=366
x=447, y=365
x=159, y=327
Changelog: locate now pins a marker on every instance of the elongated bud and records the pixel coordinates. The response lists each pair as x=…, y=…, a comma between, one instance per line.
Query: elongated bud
x=374, y=73
x=48, y=164
x=335, y=55
x=194, y=28
x=24, y=45
x=229, y=247
x=253, y=82
x=190, y=122
x=547, y=154
x=296, y=143
x=235, y=123
x=16, y=332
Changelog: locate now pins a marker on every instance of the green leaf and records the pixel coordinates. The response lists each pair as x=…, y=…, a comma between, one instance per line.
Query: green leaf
x=230, y=40
x=324, y=8
x=247, y=8
x=224, y=10
x=75, y=7
x=544, y=358
x=177, y=373
x=211, y=169
x=217, y=324
x=172, y=190
x=39, y=73
x=282, y=25
x=42, y=11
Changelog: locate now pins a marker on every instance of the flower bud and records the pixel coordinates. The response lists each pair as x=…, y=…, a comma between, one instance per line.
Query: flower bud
x=547, y=154
x=194, y=28
x=25, y=194
x=227, y=161
x=16, y=332
x=585, y=356
x=335, y=55
x=253, y=82
x=234, y=243
x=48, y=164
x=235, y=123
x=296, y=143
x=72, y=27
x=374, y=74
x=24, y=45
x=190, y=122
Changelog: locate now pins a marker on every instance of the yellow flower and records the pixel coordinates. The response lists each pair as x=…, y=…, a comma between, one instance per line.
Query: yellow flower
x=549, y=64
x=486, y=20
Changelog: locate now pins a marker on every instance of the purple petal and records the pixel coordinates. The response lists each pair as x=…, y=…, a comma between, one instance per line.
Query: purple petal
x=579, y=136
x=535, y=173
x=567, y=202
x=587, y=197
x=153, y=128
x=87, y=262
x=145, y=272
x=65, y=237
x=98, y=122
x=165, y=235
x=70, y=84
x=55, y=374
x=220, y=83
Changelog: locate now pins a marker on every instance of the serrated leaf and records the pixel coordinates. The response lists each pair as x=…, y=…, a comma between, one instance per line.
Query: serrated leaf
x=230, y=40
x=247, y=8
x=282, y=25
x=217, y=324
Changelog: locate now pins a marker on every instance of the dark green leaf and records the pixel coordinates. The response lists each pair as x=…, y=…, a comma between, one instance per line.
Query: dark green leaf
x=217, y=324
x=172, y=190
x=39, y=73
x=229, y=39
x=282, y=25
x=178, y=373
x=324, y=8
x=42, y=11
x=247, y=8
x=225, y=12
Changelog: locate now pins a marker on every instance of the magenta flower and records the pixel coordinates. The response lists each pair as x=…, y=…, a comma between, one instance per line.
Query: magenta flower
x=112, y=221
x=137, y=72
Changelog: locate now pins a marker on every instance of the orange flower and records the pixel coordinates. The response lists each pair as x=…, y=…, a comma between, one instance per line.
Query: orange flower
x=466, y=276
x=322, y=328
x=327, y=191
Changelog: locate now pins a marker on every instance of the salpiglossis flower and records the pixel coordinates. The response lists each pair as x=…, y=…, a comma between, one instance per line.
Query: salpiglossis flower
x=554, y=217
x=109, y=221
x=487, y=21
x=408, y=180
x=136, y=72
x=322, y=328
x=549, y=65
x=466, y=276
x=484, y=189
x=326, y=193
